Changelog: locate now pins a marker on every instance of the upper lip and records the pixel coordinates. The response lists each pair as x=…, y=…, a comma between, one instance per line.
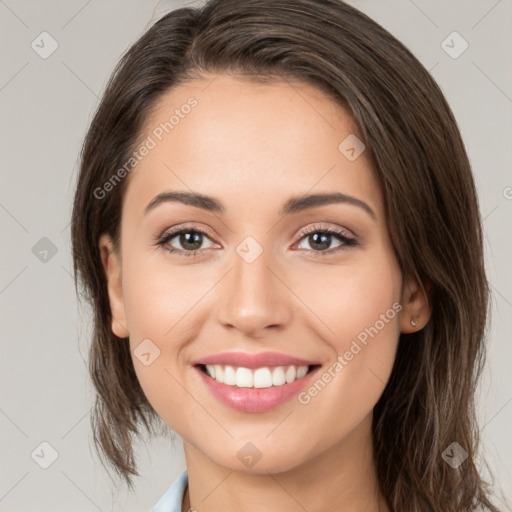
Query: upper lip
x=248, y=360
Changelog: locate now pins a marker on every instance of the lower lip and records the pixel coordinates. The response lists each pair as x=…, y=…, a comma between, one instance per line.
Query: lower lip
x=255, y=399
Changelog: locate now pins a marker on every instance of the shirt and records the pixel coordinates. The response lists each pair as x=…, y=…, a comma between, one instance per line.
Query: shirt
x=171, y=500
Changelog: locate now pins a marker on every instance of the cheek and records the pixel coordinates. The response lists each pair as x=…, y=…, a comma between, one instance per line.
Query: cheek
x=157, y=296
x=351, y=299
x=154, y=304
x=360, y=311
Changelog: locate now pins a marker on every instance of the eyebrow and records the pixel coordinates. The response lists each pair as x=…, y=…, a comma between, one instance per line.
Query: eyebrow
x=293, y=205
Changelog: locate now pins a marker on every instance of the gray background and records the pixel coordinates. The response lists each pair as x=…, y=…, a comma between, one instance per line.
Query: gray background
x=45, y=108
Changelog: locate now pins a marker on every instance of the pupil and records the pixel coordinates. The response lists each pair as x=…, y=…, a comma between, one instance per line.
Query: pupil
x=187, y=243
x=320, y=240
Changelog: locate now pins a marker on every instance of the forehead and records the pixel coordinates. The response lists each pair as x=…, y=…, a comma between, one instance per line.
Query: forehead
x=233, y=138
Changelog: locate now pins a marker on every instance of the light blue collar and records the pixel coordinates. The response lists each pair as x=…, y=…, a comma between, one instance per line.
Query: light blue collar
x=171, y=500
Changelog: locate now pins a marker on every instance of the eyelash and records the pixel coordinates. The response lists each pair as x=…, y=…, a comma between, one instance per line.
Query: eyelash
x=341, y=234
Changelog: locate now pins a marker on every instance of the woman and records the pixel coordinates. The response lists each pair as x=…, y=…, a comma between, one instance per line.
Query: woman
x=277, y=227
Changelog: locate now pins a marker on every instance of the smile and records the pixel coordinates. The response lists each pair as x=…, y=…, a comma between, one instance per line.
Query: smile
x=258, y=389
x=264, y=377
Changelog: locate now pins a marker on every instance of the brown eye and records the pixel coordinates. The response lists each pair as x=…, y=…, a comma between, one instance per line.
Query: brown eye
x=185, y=241
x=320, y=240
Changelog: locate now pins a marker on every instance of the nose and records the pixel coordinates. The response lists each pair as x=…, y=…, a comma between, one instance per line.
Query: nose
x=253, y=297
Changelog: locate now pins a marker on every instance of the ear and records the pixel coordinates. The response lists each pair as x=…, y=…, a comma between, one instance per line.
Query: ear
x=112, y=268
x=416, y=306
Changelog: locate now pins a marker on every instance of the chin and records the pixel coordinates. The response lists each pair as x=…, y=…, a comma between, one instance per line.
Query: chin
x=249, y=459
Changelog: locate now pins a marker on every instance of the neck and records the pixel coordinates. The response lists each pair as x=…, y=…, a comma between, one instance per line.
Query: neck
x=341, y=478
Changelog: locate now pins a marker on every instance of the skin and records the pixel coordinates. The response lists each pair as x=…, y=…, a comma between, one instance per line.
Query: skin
x=253, y=146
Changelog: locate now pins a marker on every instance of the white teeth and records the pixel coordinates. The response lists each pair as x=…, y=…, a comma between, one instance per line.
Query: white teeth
x=229, y=376
x=278, y=378
x=219, y=373
x=243, y=377
x=260, y=378
x=301, y=371
x=290, y=374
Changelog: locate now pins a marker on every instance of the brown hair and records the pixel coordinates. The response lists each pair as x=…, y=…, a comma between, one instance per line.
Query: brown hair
x=431, y=206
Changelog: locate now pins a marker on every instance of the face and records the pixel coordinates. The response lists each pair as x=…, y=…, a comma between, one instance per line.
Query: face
x=257, y=269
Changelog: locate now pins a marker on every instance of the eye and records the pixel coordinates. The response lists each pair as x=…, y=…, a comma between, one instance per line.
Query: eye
x=190, y=239
x=320, y=238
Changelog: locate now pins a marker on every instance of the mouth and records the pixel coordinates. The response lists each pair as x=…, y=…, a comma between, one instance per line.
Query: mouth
x=258, y=378
x=256, y=389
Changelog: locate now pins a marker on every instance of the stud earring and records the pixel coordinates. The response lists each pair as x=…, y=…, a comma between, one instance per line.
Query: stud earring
x=413, y=323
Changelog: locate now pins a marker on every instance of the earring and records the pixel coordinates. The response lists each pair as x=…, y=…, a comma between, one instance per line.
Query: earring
x=413, y=323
